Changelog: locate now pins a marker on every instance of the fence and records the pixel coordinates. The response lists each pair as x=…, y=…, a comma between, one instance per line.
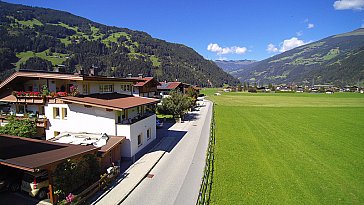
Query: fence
x=104, y=181
x=206, y=185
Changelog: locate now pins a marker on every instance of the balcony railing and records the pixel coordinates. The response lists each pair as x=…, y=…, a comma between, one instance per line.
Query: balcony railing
x=40, y=120
x=133, y=120
x=37, y=97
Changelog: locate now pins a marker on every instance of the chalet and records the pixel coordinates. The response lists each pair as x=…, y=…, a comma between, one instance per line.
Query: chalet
x=146, y=87
x=166, y=87
x=300, y=89
x=61, y=102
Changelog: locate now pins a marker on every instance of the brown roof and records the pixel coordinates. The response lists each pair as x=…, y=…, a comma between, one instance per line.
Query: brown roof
x=111, y=143
x=62, y=76
x=113, y=101
x=31, y=154
x=169, y=85
x=145, y=80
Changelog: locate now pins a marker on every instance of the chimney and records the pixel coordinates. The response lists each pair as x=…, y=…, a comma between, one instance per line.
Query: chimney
x=81, y=72
x=93, y=71
x=140, y=75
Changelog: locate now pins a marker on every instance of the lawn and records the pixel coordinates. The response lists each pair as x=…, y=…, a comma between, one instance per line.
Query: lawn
x=292, y=148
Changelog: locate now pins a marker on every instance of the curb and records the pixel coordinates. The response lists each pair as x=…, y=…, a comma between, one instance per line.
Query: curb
x=123, y=198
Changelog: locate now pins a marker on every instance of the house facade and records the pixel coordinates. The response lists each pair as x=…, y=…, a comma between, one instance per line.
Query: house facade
x=80, y=103
x=166, y=87
x=147, y=87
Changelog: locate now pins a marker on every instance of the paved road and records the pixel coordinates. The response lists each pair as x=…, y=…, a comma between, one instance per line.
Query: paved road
x=177, y=177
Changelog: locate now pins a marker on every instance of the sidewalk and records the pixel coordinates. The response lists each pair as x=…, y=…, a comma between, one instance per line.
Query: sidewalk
x=130, y=179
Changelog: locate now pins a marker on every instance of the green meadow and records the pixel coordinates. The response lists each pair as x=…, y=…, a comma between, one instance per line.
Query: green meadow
x=294, y=148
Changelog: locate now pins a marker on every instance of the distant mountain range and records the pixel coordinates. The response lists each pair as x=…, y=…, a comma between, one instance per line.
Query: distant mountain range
x=338, y=60
x=234, y=65
x=41, y=39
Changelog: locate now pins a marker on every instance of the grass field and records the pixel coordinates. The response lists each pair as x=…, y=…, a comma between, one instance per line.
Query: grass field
x=55, y=58
x=289, y=148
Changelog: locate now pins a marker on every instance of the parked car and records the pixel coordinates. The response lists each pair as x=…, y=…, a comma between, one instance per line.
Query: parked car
x=35, y=184
x=159, y=123
x=10, y=178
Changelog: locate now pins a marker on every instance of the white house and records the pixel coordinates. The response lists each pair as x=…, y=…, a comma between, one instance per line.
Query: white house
x=102, y=105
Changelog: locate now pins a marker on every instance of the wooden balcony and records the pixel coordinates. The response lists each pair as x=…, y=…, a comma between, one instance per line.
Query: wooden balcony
x=40, y=121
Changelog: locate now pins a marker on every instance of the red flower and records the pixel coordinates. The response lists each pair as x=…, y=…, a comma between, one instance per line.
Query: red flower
x=62, y=94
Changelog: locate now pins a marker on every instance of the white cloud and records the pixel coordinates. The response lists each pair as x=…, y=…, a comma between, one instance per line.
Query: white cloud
x=299, y=33
x=310, y=25
x=349, y=4
x=288, y=44
x=271, y=48
x=214, y=47
x=240, y=50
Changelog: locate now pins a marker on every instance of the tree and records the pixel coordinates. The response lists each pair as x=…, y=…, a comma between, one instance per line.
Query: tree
x=245, y=86
x=176, y=104
x=239, y=87
x=19, y=127
x=72, y=174
x=37, y=63
x=192, y=93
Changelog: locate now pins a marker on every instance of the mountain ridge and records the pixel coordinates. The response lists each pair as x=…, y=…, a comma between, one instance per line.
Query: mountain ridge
x=33, y=38
x=337, y=59
x=231, y=66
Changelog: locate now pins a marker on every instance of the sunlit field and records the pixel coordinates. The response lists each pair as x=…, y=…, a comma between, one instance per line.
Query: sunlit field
x=294, y=148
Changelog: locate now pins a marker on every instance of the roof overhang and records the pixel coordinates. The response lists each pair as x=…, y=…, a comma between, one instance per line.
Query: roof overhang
x=34, y=155
x=113, y=101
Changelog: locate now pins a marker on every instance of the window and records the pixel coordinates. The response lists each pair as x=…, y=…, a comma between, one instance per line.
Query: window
x=140, y=140
x=64, y=113
x=85, y=89
x=55, y=113
x=149, y=133
x=106, y=88
x=41, y=109
x=21, y=109
x=56, y=133
x=126, y=87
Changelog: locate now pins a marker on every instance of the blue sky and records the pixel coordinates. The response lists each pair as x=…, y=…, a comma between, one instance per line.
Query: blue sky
x=223, y=29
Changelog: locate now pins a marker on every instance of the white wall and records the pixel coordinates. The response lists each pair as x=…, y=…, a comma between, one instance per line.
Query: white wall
x=97, y=120
x=131, y=132
x=80, y=119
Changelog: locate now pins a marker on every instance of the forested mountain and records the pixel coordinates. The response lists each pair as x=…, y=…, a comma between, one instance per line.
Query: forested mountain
x=337, y=60
x=234, y=65
x=37, y=38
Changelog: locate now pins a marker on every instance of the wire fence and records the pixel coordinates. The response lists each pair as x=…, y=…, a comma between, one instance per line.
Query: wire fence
x=206, y=185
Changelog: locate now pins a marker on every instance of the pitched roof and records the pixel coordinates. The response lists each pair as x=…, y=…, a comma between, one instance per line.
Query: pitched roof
x=111, y=143
x=145, y=80
x=168, y=85
x=32, y=154
x=113, y=101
